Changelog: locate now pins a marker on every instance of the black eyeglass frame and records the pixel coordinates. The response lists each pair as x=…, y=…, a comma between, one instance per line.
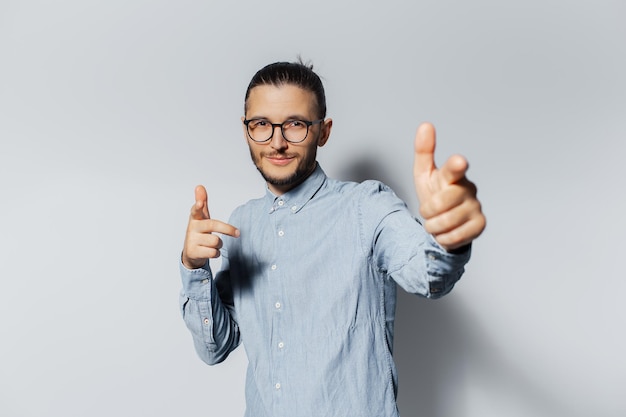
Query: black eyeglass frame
x=308, y=124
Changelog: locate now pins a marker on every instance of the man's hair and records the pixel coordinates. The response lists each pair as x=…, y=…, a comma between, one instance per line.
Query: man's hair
x=295, y=73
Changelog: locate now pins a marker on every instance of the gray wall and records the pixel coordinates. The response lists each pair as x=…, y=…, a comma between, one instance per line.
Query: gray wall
x=112, y=111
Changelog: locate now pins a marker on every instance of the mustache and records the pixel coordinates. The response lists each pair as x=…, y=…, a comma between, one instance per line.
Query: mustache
x=277, y=155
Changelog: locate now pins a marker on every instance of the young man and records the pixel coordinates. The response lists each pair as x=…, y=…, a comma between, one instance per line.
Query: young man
x=309, y=271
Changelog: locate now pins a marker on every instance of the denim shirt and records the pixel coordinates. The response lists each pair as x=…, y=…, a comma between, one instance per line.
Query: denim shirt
x=309, y=287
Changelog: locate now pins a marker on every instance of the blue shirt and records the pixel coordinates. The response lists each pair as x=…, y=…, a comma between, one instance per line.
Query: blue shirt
x=309, y=287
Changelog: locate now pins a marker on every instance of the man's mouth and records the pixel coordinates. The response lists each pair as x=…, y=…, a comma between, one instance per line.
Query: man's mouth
x=280, y=160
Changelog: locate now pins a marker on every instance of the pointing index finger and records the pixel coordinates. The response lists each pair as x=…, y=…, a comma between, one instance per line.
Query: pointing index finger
x=224, y=228
x=454, y=169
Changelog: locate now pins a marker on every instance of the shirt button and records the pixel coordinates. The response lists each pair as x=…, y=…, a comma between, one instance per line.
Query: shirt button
x=281, y=233
x=294, y=208
x=205, y=321
x=281, y=345
x=431, y=257
x=205, y=281
x=277, y=305
x=277, y=386
x=281, y=203
x=274, y=267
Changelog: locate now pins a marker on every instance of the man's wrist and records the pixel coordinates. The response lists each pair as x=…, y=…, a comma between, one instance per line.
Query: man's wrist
x=189, y=264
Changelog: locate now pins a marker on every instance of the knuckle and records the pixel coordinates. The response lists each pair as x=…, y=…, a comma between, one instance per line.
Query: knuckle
x=212, y=225
x=453, y=238
x=215, y=241
x=437, y=203
x=480, y=223
x=429, y=227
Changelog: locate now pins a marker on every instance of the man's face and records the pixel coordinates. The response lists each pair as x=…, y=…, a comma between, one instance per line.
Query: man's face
x=282, y=164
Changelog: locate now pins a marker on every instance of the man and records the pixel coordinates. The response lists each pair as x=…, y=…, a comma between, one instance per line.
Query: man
x=309, y=271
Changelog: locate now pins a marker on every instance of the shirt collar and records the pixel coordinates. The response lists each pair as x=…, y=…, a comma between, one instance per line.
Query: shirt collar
x=296, y=198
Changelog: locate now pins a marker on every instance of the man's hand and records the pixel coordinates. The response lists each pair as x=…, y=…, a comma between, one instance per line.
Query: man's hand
x=200, y=242
x=448, y=203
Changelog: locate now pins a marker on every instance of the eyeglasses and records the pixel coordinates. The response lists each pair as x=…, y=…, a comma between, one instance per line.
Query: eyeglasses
x=294, y=131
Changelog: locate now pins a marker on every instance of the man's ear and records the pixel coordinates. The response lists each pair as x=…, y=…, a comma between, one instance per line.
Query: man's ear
x=326, y=127
x=245, y=128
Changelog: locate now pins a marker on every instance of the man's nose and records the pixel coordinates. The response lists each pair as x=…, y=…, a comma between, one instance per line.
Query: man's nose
x=278, y=141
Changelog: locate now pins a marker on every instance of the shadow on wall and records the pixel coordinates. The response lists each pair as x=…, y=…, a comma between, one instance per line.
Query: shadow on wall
x=365, y=167
x=439, y=350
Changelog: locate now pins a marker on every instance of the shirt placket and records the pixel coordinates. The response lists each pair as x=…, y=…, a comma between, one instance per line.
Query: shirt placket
x=278, y=344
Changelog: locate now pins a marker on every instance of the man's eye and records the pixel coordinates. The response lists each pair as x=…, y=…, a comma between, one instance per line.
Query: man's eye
x=295, y=123
x=258, y=123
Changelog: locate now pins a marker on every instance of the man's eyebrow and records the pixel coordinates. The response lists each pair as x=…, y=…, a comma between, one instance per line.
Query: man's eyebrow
x=297, y=117
x=291, y=117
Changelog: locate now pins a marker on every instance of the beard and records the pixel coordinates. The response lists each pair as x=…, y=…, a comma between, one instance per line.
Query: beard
x=302, y=171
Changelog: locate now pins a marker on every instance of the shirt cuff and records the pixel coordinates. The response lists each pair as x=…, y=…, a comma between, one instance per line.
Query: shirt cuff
x=463, y=253
x=196, y=282
x=445, y=268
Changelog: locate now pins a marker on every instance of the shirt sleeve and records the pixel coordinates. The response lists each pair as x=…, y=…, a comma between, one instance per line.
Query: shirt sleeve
x=207, y=312
x=403, y=250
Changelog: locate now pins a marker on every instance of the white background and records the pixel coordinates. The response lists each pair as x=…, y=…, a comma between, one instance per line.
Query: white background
x=112, y=111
